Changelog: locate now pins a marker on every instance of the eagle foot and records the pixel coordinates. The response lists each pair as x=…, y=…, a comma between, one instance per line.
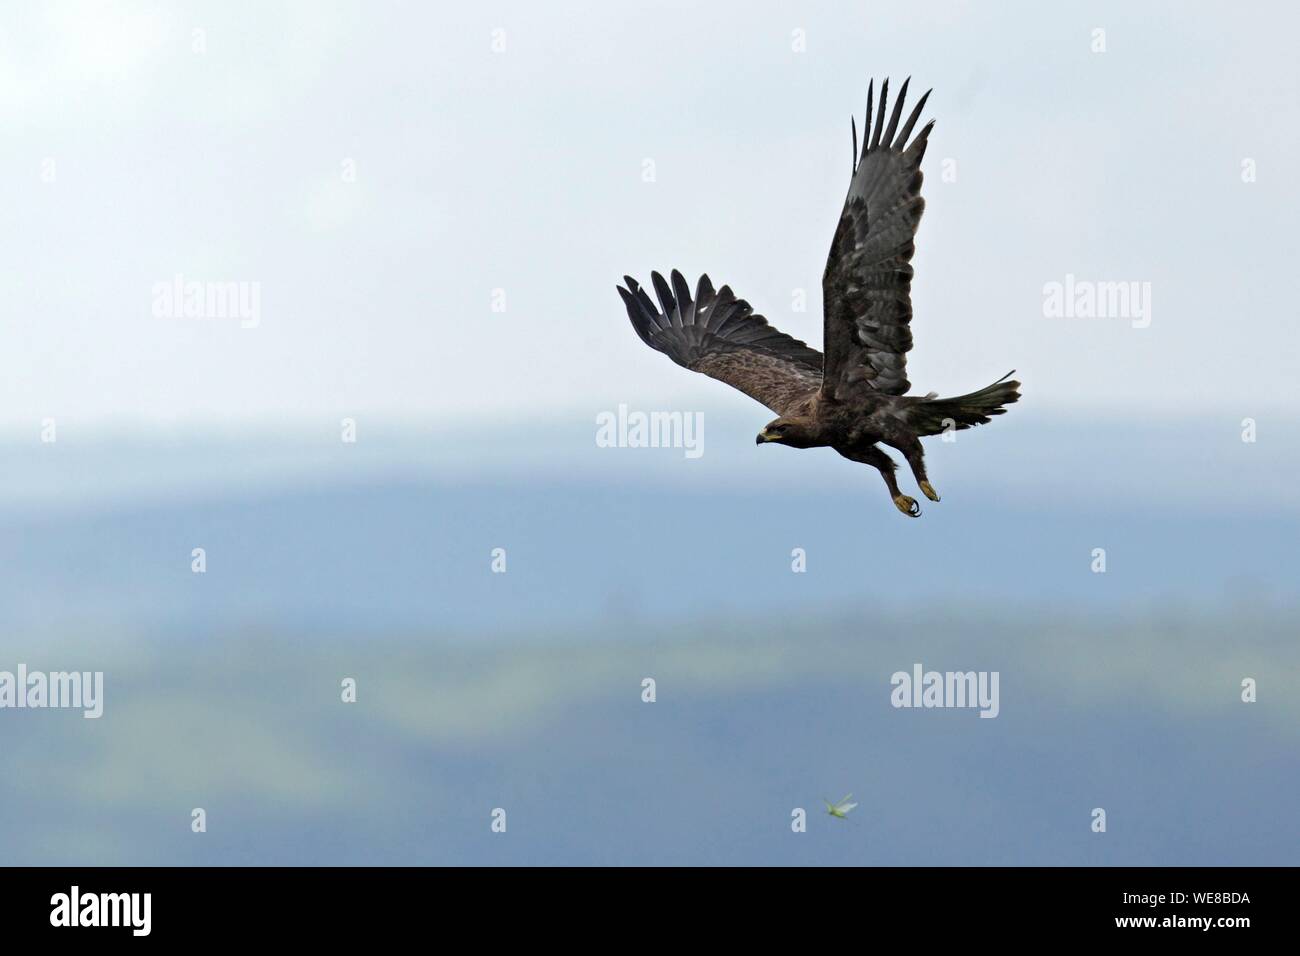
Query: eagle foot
x=907, y=505
x=929, y=491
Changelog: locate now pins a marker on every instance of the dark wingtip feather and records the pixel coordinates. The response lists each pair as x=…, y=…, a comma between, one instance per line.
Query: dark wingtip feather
x=853, y=125
x=916, y=149
x=901, y=141
x=880, y=117
x=703, y=290
x=685, y=314
x=642, y=320
x=666, y=303
x=898, y=112
x=681, y=290
x=866, y=126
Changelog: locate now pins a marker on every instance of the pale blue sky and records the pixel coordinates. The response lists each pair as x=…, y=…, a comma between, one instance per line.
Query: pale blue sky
x=522, y=170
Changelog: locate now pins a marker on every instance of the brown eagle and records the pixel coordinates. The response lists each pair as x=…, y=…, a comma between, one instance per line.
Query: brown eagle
x=855, y=395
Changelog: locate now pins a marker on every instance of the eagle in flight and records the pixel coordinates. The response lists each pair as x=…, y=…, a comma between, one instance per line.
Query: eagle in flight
x=854, y=397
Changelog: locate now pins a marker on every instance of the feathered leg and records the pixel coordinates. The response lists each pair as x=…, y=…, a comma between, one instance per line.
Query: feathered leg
x=871, y=455
x=915, y=455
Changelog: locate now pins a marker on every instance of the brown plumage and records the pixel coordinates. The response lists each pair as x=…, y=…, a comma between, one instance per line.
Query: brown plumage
x=855, y=396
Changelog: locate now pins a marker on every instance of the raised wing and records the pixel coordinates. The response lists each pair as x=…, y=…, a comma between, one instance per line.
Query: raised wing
x=720, y=336
x=868, y=279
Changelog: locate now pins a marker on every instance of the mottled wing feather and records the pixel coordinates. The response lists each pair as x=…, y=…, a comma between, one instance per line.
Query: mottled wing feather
x=868, y=279
x=720, y=336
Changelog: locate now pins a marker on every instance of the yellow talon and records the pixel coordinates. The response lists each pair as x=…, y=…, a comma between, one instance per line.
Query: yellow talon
x=929, y=491
x=907, y=505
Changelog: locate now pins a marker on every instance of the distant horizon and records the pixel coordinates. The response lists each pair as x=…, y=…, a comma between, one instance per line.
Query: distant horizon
x=720, y=404
x=1026, y=453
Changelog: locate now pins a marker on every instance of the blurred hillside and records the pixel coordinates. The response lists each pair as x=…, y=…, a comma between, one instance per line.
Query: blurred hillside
x=753, y=717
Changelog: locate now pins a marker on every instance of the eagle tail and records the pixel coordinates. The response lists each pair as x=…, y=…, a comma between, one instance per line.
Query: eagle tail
x=934, y=416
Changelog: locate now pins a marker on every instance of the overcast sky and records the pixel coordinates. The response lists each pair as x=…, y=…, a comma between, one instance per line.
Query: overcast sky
x=379, y=169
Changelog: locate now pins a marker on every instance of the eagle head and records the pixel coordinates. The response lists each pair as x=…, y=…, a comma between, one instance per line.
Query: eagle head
x=795, y=432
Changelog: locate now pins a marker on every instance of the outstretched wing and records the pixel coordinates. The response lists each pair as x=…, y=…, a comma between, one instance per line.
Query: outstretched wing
x=719, y=335
x=868, y=279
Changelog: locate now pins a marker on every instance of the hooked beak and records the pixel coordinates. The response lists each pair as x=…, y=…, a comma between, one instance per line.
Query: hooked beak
x=765, y=436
